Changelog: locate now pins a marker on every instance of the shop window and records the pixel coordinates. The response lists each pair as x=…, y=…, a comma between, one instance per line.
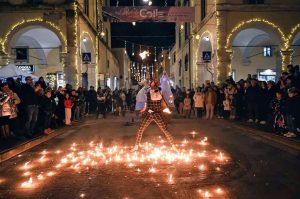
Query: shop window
x=174, y=57
x=255, y=1
x=186, y=62
x=22, y=54
x=267, y=51
x=86, y=7
x=179, y=38
x=186, y=3
x=180, y=68
x=203, y=9
x=186, y=31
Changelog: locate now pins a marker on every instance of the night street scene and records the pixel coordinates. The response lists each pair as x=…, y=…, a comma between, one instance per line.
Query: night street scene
x=149, y=99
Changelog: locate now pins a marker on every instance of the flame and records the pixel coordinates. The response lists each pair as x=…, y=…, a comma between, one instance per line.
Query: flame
x=27, y=184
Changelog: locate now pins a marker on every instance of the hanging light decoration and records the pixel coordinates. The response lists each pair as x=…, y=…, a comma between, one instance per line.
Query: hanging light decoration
x=155, y=54
x=169, y=54
x=162, y=52
x=125, y=46
x=132, y=49
x=102, y=30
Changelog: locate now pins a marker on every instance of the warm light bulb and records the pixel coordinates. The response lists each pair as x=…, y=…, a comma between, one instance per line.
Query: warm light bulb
x=134, y=23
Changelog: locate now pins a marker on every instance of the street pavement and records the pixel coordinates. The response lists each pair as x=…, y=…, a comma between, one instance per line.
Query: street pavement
x=214, y=159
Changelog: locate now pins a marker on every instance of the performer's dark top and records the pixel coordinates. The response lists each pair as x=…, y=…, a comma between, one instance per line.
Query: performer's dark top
x=154, y=105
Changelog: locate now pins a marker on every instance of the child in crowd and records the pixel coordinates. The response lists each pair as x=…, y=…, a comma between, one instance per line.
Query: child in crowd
x=187, y=107
x=232, y=107
x=227, y=107
x=199, y=102
x=278, y=117
x=68, y=109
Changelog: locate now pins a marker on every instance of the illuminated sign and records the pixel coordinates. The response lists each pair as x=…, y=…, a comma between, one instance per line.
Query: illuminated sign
x=27, y=68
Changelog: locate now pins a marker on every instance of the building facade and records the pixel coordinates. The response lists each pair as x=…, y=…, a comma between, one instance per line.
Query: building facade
x=53, y=36
x=243, y=36
x=124, y=66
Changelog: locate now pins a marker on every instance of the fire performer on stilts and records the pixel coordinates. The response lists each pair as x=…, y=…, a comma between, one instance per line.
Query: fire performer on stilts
x=153, y=112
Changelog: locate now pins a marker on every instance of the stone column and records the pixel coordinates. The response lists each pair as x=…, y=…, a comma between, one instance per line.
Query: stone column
x=286, y=56
x=71, y=65
x=4, y=59
x=224, y=55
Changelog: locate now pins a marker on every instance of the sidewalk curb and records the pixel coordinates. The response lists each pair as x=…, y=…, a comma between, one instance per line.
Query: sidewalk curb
x=10, y=153
x=270, y=137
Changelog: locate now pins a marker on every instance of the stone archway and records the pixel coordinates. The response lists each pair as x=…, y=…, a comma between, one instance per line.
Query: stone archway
x=33, y=22
x=88, y=71
x=44, y=50
x=205, y=71
x=252, y=35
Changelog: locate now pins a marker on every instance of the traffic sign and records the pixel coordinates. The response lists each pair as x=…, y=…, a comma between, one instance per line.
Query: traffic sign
x=86, y=57
x=206, y=56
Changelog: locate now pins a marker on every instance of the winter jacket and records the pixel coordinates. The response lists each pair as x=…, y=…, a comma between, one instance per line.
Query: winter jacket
x=28, y=95
x=252, y=94
x=199, y=100
x=211, y=98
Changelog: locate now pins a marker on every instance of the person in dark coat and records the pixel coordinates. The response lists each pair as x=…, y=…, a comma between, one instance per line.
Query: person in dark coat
x=60, y=108
x=92, y=99
x=252, y=100
x=42, y=82
x=47, y=108
x=30, y=102
x=263, y=103
x=277, y=105
x=292, y=113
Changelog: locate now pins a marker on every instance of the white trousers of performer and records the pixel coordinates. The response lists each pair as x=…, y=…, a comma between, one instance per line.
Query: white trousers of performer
x=209, y=111
x=68, y=113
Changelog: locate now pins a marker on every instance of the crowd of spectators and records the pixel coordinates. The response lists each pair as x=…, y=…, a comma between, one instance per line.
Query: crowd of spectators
x=31, y=109
x=260, y=102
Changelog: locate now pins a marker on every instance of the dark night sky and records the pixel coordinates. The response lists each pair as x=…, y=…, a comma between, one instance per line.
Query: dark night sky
x=142, y=29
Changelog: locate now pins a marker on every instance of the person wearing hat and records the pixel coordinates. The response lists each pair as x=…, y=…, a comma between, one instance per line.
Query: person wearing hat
x=153, y=112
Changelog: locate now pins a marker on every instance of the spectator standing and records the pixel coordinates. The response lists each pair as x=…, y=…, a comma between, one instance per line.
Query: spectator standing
x=292, y=112
x=252, y=99
x=199, y=102
x=239, y=100
x=30, y=101
x=68, y=109
x=92, y=99
x=13, y=101
x=210, y=102
x=5, y=113
x=101, y=103
x=60, y=108
x=227, y=107
x=187, y=105
x=47, y=108
x=42, y=83
x=277, y=105
x=263, y=103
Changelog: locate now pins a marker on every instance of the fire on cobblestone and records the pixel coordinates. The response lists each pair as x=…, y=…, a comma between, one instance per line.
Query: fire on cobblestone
x=196, y=154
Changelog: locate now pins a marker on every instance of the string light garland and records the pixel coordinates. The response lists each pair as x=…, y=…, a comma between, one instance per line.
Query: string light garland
x=255, y=20
x=291, y=36
x=125, y=46
x=132, y=49
x=19, y=24
x=76, y=42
